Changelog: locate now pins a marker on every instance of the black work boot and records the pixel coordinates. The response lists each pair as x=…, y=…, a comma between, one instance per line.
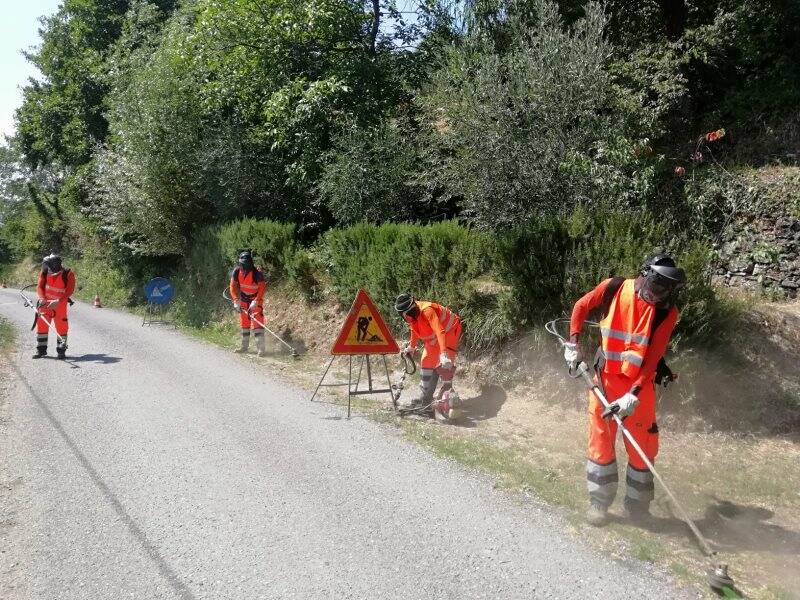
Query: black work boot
x=41, y=352
x=61, y=348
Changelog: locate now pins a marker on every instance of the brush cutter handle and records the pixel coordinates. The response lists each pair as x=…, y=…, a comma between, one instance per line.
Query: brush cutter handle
x=409, y=365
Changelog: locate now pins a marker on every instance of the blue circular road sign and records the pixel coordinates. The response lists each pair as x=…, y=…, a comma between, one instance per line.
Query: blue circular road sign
x=159, y=290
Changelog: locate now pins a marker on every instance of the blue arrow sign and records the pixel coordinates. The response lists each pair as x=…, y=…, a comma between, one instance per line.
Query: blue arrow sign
x=159, y=290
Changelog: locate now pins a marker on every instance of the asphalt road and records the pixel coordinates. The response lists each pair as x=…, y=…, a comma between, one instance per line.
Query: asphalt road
x=152, y=465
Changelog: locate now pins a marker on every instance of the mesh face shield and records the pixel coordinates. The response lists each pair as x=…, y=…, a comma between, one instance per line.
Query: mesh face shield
x=52, y=263
x=661, y=284
x=406, y=305
x=246, y=260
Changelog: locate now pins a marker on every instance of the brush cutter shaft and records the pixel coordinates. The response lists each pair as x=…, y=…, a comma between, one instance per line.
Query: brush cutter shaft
x=268, y=330
x=583, y=370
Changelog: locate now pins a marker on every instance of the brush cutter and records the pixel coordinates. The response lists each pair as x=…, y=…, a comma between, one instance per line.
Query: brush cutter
x=292, y=351
x=718, y=578
x=443, y=407
x=29, y=303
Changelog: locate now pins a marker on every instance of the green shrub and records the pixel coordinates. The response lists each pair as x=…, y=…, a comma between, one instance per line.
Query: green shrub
x=273, y=244
x=607, y=242
x=550, y=262
x=303, y=270
x=433, y=262
x=213, y=255
x=533, y=264
x=96, y=275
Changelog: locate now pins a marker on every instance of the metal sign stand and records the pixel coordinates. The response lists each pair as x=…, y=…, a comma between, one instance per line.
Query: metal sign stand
x=158, y=292
x=356, y=392
x=155, y=314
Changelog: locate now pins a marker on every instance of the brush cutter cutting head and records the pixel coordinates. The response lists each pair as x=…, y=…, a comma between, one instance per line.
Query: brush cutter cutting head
x=719, y=579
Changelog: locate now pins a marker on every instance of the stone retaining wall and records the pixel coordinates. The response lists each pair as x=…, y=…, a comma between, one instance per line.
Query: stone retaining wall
x=762, y=256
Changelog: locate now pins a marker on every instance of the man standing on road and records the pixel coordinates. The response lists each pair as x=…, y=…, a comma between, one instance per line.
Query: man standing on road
x=56, y=285
x=439, y=329
x=638, y=318
x=247, y=289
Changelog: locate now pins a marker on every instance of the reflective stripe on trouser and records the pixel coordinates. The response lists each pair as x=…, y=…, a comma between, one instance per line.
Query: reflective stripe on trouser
x=429, y=378
x=639, y=489
x=602, y=482
x=41, y=340
x=261, y=345
x=641, y=424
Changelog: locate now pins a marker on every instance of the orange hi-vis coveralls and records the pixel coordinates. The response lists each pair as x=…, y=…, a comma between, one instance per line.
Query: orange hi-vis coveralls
x=438, y=328
x=631, y=351
x=54, y=286
x=249, y=286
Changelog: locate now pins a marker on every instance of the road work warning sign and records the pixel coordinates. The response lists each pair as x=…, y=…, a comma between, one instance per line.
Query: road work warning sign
x=364, y=330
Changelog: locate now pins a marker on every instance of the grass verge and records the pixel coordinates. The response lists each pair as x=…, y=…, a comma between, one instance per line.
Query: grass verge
x=8, y=335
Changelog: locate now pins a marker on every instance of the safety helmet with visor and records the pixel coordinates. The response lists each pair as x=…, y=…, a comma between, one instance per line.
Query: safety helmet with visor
x=406, y=305
x=661, y=280
x=52, y=263
x=246, y=261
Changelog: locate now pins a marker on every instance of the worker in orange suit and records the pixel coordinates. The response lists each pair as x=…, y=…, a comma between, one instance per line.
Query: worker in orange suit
x=638, y=317
x=247, y=288
x=54, y=289
x=439, y=329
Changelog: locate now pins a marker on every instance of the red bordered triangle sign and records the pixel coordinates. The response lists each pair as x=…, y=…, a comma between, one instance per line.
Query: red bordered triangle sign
x=364, y=330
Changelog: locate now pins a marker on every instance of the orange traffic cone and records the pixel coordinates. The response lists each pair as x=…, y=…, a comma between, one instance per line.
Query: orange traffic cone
x=97, y=301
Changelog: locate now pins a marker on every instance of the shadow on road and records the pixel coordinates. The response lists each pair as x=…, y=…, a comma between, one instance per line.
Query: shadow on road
x=136, y=531
x=103, y=359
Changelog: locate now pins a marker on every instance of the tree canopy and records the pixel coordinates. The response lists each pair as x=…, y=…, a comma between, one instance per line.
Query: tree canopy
x=153, y=118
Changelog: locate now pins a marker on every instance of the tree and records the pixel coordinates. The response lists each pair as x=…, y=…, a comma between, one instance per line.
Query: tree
x=538, y=126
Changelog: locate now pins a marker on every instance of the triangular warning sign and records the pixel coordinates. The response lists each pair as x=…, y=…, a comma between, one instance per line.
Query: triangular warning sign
x=364, y=330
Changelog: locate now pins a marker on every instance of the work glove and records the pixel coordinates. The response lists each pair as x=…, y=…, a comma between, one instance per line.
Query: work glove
x=254, y=305
x=623, y=407
x=54, y=303
x=237, y=305
x=445, y=362
x=572, y=353
x=40, y=302
x=409, y=351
